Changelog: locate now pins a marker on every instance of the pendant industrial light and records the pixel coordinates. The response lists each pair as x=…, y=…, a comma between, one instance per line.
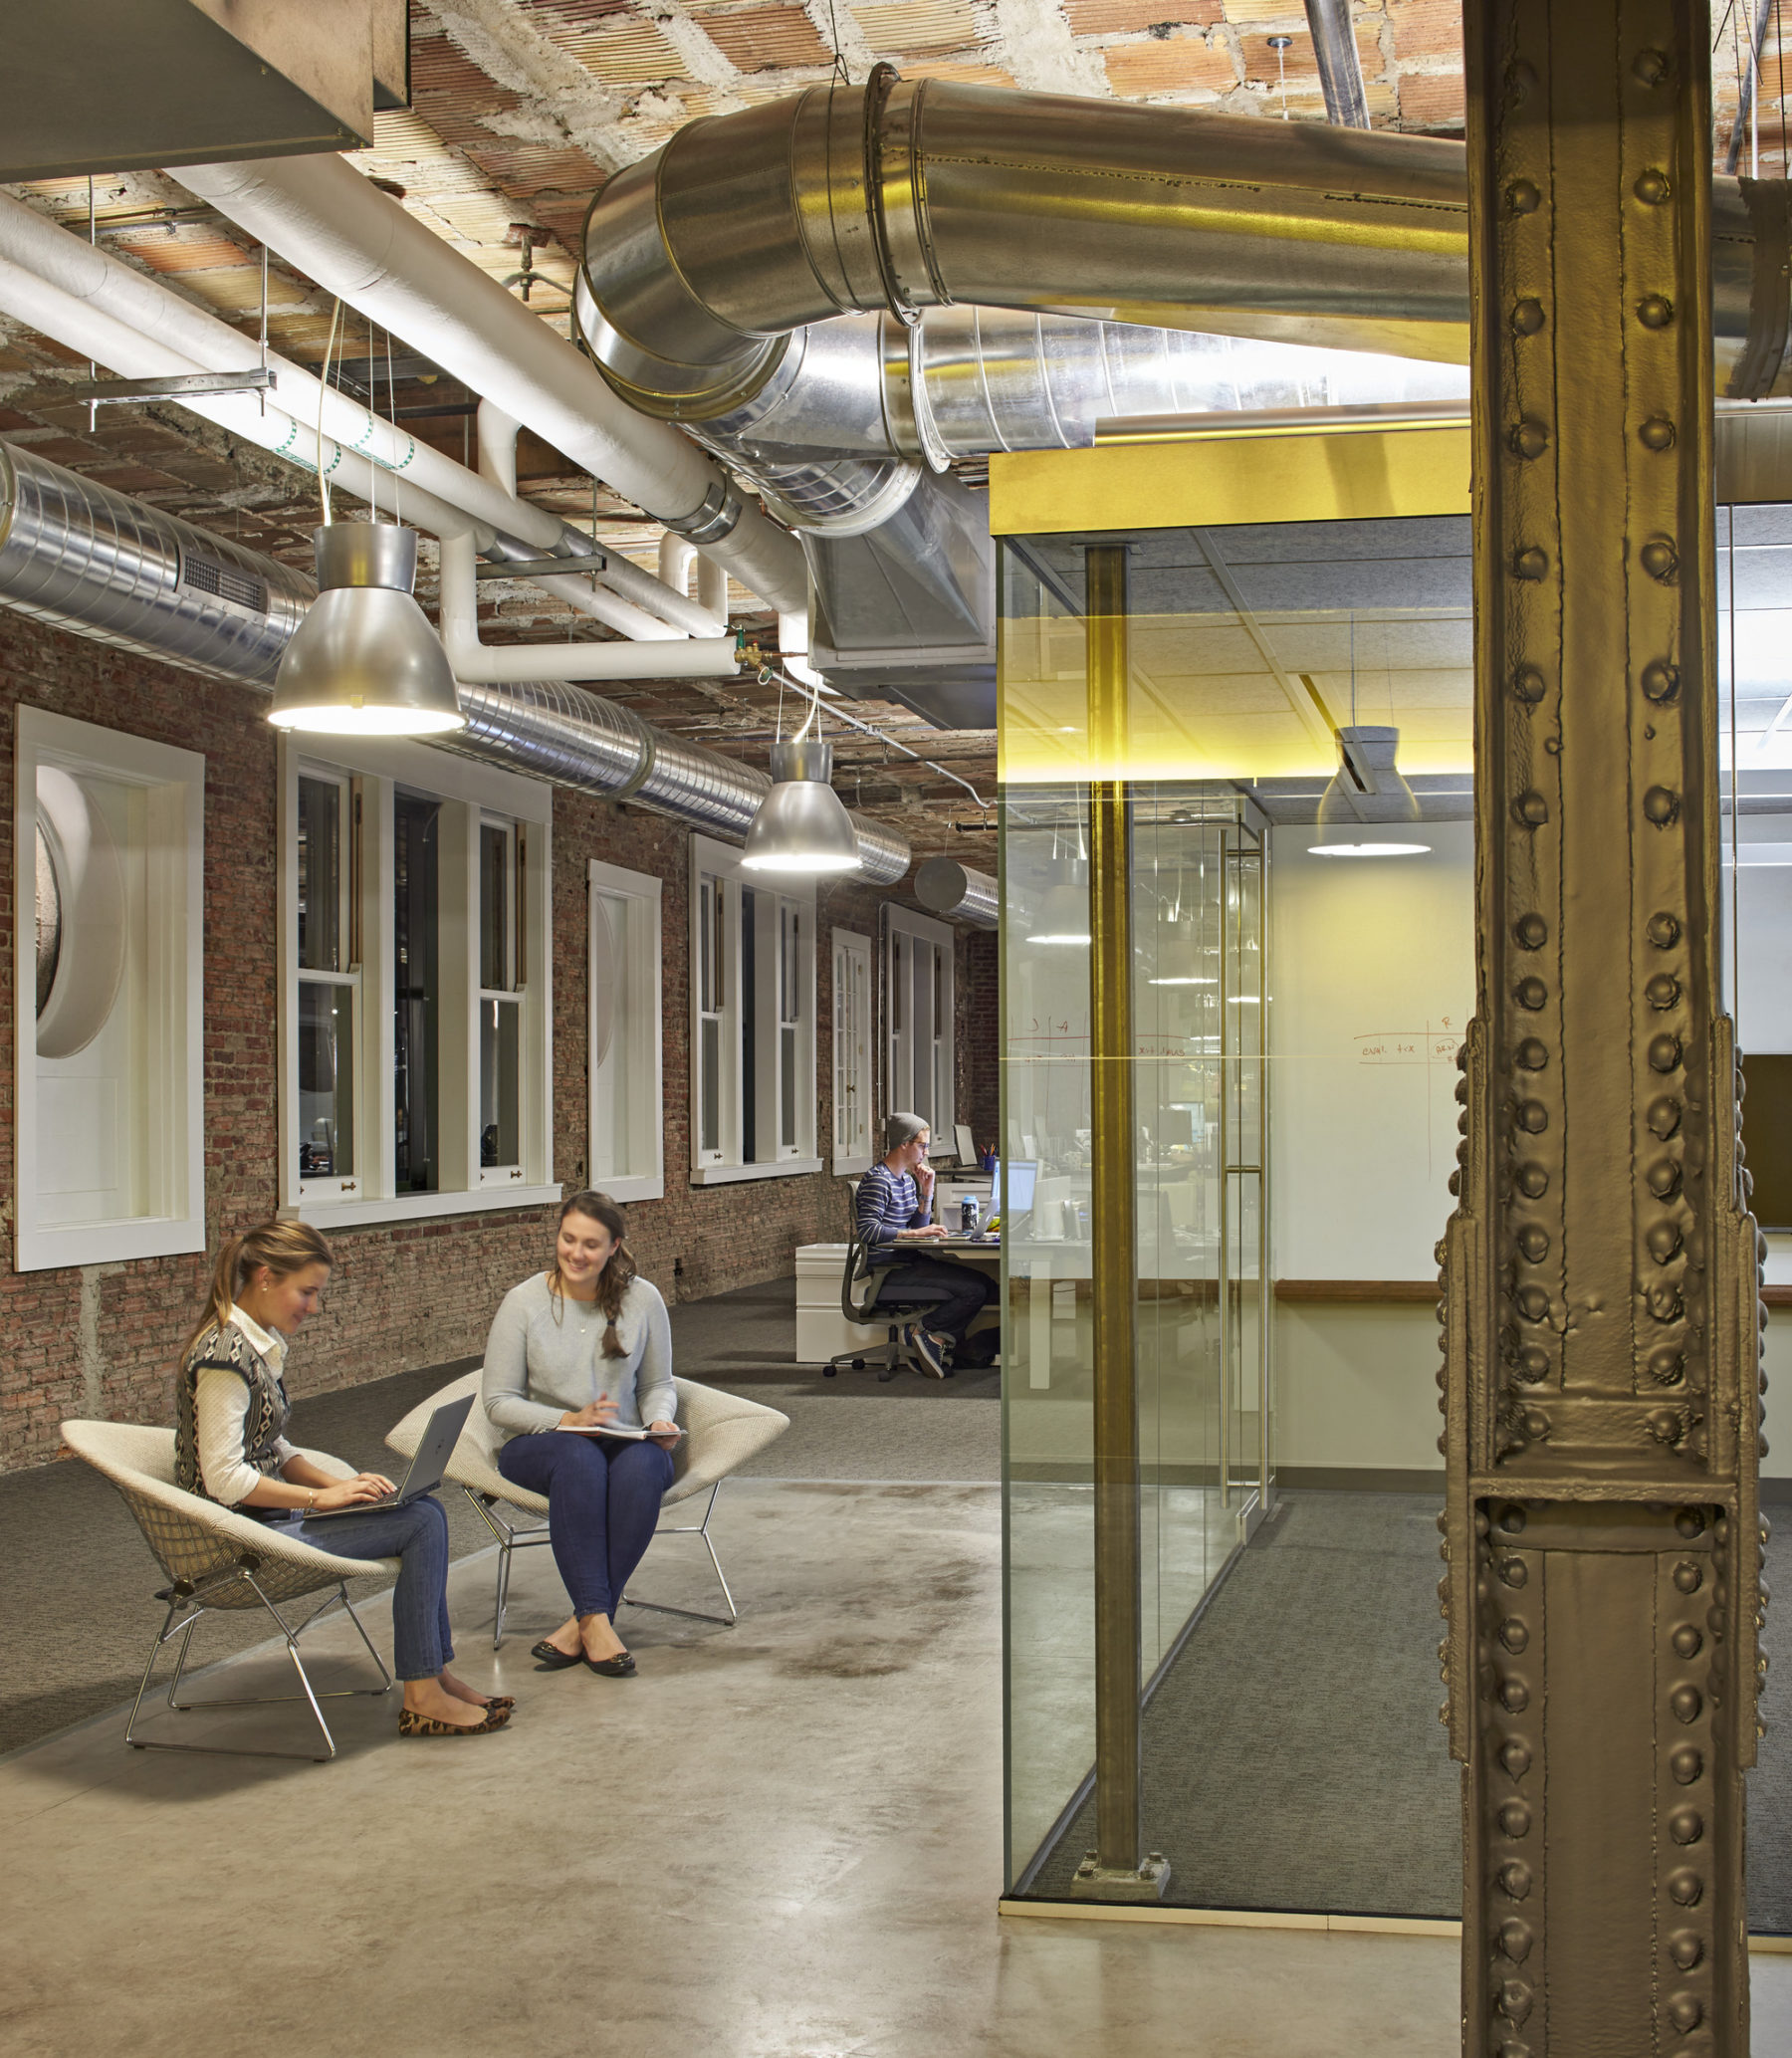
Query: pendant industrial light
x=1368, y=810
x=803, y=825
x=365, y=660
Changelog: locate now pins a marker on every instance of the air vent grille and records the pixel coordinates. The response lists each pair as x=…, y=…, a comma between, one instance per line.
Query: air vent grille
x=224, y=583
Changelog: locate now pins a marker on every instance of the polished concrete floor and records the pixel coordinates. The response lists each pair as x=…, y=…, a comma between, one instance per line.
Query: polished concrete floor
x=777, y=1841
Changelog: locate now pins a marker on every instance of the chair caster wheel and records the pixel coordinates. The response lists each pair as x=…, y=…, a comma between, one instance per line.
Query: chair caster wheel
x=830, y=1371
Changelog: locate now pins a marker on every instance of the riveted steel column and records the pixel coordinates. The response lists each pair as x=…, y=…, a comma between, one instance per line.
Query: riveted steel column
x=1601, y=1384
x=1115, y=1870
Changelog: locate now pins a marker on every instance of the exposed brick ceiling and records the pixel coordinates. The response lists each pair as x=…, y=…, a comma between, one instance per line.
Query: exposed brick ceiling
x=521, y=109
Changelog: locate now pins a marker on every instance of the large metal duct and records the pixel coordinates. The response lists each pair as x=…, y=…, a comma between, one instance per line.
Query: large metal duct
x=82, y=557
x=957, y=894
x=700, y=260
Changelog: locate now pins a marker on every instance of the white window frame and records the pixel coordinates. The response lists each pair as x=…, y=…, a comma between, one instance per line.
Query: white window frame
x=167, y=970
x=854, y=1038
x=936, y=1045
x=637, y=1036
x=470, y=794
x=774, y=1158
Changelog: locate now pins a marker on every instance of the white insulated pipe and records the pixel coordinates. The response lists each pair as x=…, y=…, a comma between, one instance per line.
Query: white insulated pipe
x=675, y=558
x=355, y=241
x=100, y=282
x=513, y=664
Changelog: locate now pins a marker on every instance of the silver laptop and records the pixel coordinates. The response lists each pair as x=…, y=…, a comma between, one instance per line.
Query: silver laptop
x=426, y=1469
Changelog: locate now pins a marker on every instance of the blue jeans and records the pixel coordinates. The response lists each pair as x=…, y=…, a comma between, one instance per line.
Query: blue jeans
x=603, y=1505
x=417, y=1536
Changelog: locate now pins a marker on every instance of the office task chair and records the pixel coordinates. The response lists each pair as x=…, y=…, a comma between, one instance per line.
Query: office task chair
x=217, y=1558
x=858, y=1285
x=720, y=1432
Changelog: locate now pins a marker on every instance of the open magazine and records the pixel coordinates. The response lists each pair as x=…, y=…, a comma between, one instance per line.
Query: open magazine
x=628, y=1435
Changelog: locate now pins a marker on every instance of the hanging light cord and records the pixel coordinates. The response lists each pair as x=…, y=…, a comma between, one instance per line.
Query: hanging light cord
x=768, y=673
x=322, y=385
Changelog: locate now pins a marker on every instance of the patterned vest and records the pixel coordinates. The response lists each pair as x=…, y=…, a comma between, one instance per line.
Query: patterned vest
x=225, y=1346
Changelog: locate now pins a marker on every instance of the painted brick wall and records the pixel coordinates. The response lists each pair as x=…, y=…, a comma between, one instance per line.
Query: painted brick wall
x=102, y=1339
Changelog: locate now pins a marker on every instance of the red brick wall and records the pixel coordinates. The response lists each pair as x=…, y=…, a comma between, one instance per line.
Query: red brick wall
x=402, y=1295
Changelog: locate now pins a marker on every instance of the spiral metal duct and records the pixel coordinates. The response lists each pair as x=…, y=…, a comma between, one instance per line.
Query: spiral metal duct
x=956, y=893
x=81, y=557
x=84, y=558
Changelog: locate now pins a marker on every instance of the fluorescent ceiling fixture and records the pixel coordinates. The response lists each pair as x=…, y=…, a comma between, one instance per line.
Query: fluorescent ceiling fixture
x=1181, y=981
x=1066, y=938
x=1245, y=1000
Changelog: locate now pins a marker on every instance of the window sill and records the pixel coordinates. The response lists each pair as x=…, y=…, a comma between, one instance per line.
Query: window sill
x=852, y=1168
x=321, y=1212
x=635, y=1186
x=728, y=1175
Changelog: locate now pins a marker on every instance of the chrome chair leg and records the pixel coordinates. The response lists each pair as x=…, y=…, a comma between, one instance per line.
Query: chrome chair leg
x=193, y=1601
x=510, y=1539
x=733, y=1616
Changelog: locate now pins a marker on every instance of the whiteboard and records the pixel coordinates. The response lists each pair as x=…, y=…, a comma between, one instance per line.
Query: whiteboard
x=1372, y=984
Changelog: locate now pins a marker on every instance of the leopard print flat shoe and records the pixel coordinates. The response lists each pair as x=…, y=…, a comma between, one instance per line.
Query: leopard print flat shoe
x=410, y=1723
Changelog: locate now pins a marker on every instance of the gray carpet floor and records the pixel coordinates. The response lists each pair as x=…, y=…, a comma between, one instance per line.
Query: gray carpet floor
x=1338, y=1794
x=80, y=1613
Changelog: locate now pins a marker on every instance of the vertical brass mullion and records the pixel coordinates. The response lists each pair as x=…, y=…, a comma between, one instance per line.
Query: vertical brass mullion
x=1112, y=1218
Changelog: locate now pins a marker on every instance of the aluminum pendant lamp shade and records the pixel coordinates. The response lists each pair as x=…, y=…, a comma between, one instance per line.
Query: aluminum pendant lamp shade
x=365, y=660
x=1368, y=810
x=801, y=825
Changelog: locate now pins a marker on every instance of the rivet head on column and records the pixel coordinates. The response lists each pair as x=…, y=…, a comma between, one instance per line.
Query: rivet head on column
x=1664, y=1117
x=1660, y=806
x=1529, y=684
x=1663, y=931
x=1685, y=1763
x=1651, y=66
x=1533, y=1055
x=1663, y=1242
x=1665, y=1053
x=1533, y=1304
x=1532, y=1181
x=1533, y=1243
x=1685, y=2011
x=1688, y=1577
x=1530, y=992
x=1663, y=1178
x=1516, y=1758
x=1528, y=439
x=1686, y=1825
x=1514, y=1936
x=1686, y=1887
x=1531, y=931
x=1657, y=433
x=1690, y=1522
x=1661, y=680
x=1668, y=1367
x=1654, y=311
x=1529, y=563
x=1516, y=1879
x=1530, y=811
x=1652, y=187
x=1531, y=1116
x=1686, y=1704
x=1659, y=558
x=1687, y=1642
x=1515, y=1572
x=1687, y=1949
x=1664, y=1302
x=1522, y=196
x=1514, y=1696
x=1528, y=316
x=1662, y=990
x=1533, y=1364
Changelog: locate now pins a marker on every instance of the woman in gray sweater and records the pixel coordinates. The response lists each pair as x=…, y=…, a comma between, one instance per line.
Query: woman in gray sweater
x=576, y=1348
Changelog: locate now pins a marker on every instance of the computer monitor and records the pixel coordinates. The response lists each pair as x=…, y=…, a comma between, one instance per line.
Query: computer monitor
x=1022, y=1175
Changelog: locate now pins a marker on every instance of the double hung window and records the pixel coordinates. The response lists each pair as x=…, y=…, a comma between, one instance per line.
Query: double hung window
x=415, y=1016
x=753, y=1020
x=851, y=1052
x=920, y=1006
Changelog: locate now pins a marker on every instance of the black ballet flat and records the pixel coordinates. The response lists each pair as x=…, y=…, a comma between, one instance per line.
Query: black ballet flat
x=548, y=1658
x=621, y=1667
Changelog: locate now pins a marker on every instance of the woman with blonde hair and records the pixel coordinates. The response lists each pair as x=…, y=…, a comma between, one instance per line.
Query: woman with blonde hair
x=573, y=1350
x=229, y=1447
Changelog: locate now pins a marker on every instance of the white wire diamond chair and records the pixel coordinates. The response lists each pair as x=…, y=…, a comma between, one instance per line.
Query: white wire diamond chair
x=217, y=1559
x=722, y=1430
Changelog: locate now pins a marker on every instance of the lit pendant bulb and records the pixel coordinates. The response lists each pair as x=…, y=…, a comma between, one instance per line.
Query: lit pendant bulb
x=801, y=825
x=365, y=660
x=1368, y=810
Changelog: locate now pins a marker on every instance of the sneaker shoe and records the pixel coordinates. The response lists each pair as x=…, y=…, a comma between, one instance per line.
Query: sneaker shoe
x=929, y=1350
